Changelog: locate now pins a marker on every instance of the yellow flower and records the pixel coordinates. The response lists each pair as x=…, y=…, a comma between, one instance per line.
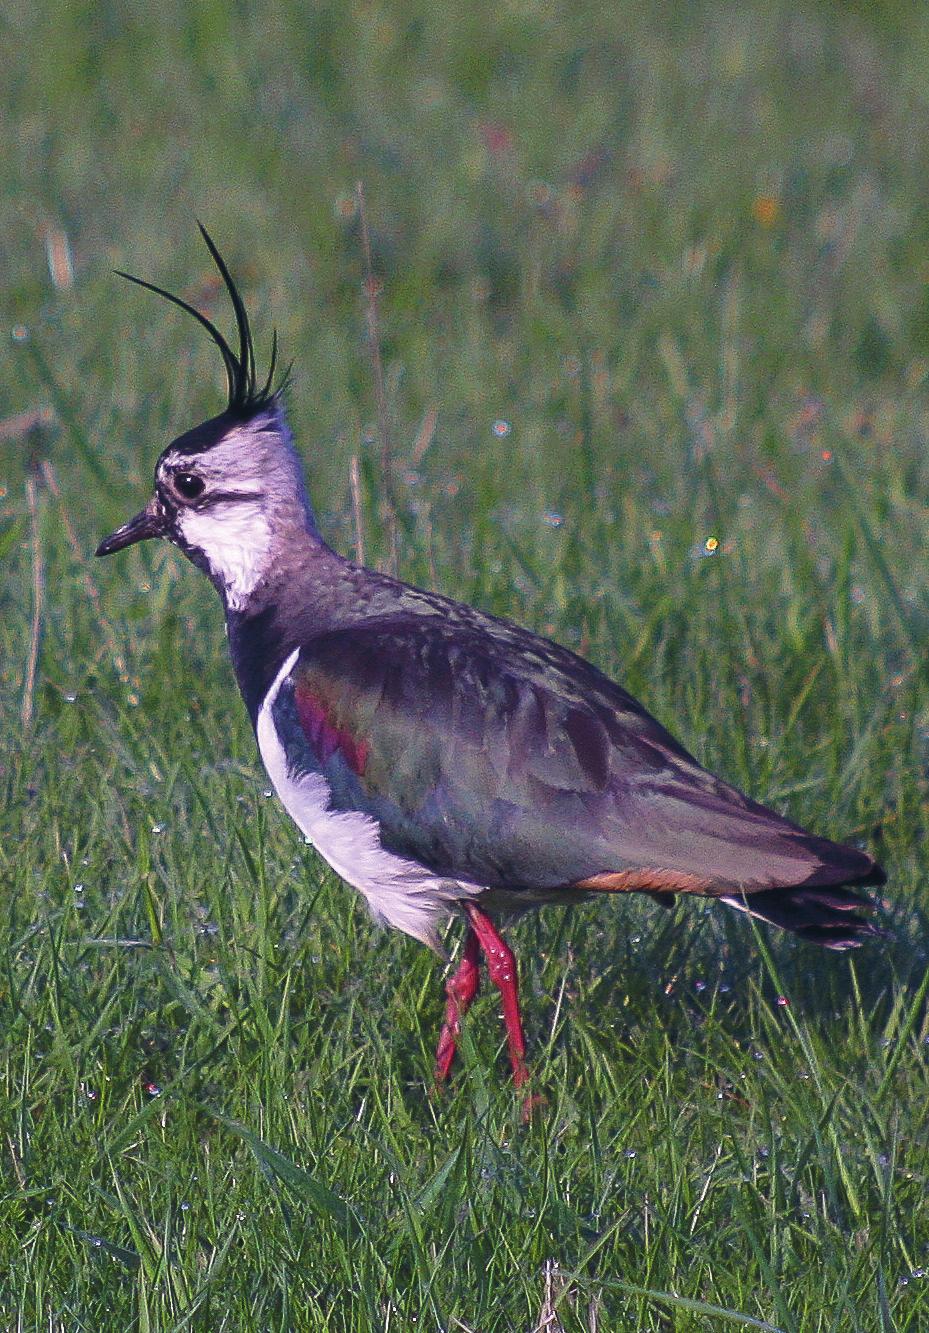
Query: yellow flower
x=766, y=209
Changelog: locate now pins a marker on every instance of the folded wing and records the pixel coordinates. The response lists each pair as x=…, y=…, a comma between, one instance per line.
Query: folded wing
x=492, y=756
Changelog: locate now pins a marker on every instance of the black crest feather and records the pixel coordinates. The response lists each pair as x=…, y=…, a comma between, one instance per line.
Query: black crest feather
x=246, y=395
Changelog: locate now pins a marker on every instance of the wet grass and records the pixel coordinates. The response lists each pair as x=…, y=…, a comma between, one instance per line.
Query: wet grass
x=656, y=349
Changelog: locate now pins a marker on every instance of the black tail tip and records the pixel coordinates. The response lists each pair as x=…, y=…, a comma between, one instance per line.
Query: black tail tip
x=829, y=916
x=874, y=878
x=851, y=934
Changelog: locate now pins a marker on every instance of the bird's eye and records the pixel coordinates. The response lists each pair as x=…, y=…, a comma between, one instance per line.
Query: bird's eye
x=187, y=485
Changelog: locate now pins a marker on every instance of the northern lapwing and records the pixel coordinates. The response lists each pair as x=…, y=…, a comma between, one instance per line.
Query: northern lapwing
x=443, y=760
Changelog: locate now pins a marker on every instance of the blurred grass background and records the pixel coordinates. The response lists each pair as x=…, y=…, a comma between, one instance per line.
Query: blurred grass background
x=655, y=326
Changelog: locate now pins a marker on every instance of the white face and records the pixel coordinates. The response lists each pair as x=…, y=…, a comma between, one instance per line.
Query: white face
x=235, y=537
x=234, y=499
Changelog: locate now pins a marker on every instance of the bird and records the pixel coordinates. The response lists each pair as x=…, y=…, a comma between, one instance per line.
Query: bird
x=444, y=761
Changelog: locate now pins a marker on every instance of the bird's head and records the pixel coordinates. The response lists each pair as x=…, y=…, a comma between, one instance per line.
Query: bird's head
x=230, y=491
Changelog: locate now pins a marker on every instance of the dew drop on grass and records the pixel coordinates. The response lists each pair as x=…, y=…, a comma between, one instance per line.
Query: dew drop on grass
x=70, y=698
x=267, y=793
x=153, y=1089
x=185, y=1207
x=501, y=428
x=553, y=518
x=699, y=987
x=629, y=1152
x=783, y=1002
x=158, y=828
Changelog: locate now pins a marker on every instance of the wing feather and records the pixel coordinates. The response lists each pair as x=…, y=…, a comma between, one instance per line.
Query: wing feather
x=517, y=765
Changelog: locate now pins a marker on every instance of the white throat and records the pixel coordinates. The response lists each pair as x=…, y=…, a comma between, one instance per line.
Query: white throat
x=236, y=541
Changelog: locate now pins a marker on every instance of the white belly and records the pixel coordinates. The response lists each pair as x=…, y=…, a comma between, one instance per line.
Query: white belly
x=399, y=892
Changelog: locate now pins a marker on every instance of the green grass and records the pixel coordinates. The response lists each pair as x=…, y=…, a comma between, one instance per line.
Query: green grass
x=682, y=250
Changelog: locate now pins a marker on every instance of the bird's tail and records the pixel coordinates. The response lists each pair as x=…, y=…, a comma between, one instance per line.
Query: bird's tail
x=826, y=915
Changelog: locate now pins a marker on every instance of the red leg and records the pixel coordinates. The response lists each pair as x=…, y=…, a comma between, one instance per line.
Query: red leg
x=461, y=989
x=501, y=966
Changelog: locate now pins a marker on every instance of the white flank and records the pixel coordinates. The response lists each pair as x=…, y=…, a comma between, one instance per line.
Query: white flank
x=236, y=540
x=399, y=893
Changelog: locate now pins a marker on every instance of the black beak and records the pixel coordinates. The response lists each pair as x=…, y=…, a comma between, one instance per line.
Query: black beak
x=148, y=523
